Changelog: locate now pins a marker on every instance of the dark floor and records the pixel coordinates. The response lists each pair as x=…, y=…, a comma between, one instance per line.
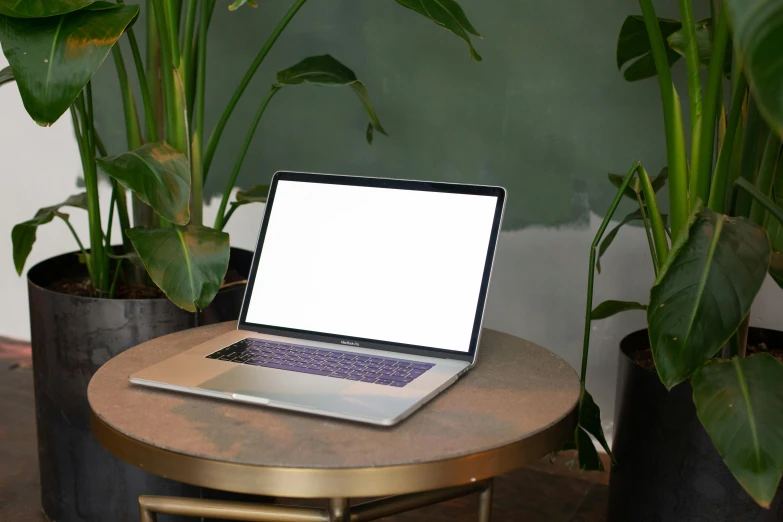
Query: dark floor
x=545, y=491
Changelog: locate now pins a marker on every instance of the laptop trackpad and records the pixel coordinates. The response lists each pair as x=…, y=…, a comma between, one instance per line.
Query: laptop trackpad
x=312, y=392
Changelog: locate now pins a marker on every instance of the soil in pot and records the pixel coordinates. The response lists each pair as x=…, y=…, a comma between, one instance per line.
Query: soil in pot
x=72, y=336
x=667, y=467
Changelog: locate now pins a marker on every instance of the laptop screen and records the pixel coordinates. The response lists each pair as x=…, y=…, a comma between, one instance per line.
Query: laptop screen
x=374, y=263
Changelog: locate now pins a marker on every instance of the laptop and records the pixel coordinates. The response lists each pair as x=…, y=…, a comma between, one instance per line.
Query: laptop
x=365, y=299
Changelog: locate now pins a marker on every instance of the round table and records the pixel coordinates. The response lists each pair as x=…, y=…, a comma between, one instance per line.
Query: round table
x=516, y=405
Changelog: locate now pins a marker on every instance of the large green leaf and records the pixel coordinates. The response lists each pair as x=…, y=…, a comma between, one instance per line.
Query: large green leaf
x=23, y=234
x=40, y=8
x=758, y=39
x=740, y=403
x=188, y=264
x=612, y=307
x=447, y=14
x=633, y=45
x=704, y=291
x=703, y=34
x=327, y=71
x=6, y=75
x=158, y=174
x=53, y=58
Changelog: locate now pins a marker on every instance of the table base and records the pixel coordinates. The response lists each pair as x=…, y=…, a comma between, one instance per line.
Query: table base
x=339, y=509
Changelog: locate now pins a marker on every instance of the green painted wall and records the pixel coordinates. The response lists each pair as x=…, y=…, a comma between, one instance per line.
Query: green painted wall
x=546, y=114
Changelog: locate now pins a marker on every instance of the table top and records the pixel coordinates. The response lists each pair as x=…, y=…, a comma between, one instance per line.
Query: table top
x=517, y=404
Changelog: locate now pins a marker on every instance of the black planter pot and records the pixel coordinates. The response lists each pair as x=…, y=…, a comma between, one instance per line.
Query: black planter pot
x=71, y=338
x=667, y=467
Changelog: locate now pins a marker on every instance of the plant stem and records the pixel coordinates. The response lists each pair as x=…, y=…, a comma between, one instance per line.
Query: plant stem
x=656, y=221
x=174, y=109
x=172, y=8
x=79, y=243
x=188, y=46
x=146, y=98
x=230, y=213
x=591, y=274
x=220, y=218
x=114, y=279
x=97, y=253
x=197, y=143
x=132, y=130
x=153, y=70
x=109, y=224
x=766, y=176
x=672, y=117
x=774, y=210
x=81, y=142
x=738, y=343
x=750, y=152
x=214, y=139
x=118, y=191
x=650, y=242
x=701, y=167
x=149, y=114
x=692, y=63
x=717, y=197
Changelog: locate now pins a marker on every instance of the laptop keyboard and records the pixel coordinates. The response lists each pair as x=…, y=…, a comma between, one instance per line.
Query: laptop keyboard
x=385, y=371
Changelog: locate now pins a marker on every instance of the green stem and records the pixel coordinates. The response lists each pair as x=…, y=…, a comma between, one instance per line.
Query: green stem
x=172, y=8
x=591, y=274
x=146, y=97
x=220, y=218
x=188, y=48
x=197, y=143
x=766, y=176
x=656, y=220
x=149, y=114
x=79, y=243
x=701, y=167
x=172, y=106
x=109, y=224
x=97, y=253
x=114, y=279
x=132, y=130
x=692, y=63
x=118, y=191
x=214, y=139
x=717, y=197
x=672, y=118
x=154, y=85
x=647, y=231
x=754, y=128
x=774, y=210
x=229, y=214
x=738, y=343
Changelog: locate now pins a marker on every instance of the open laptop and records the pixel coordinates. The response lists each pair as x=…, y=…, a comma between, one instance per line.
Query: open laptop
x=364, y=301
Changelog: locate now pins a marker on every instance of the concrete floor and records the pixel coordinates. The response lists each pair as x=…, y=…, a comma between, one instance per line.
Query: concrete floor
x=545, y=491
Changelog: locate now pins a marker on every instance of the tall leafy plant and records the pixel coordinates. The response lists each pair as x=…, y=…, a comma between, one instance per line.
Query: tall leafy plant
x=726, y=214
x=55, y=47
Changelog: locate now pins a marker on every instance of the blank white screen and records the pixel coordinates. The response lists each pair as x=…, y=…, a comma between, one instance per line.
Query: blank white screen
x=387, y=264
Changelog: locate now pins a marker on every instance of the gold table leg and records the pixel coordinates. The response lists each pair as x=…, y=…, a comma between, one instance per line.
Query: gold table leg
x=339, y=508
x=485, y=502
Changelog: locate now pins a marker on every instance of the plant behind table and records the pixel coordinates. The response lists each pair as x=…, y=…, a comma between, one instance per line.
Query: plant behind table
x=726, y=209
x=55, y=47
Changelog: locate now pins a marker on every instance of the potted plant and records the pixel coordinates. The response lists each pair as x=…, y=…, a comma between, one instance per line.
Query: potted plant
x=700, y=405
x=92, y=304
